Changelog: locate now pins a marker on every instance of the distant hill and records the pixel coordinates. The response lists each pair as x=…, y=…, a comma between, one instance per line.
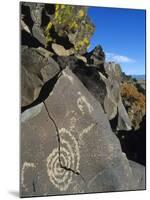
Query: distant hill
x=139, y=77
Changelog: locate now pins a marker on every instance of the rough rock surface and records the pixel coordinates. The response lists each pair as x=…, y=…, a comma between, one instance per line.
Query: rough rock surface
x=55, y=152
x=96, y=57
x=104, y=84
x=133, y=143
x=61, y=51
x=31, y=113
x=36, y=70
x=33, y=15
x=139, y=173
x=76, y=134
x=59, y=24
x=110, y=82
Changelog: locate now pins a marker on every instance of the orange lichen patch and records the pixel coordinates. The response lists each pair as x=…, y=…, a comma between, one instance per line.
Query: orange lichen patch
x=130, y=92
x=134, y=102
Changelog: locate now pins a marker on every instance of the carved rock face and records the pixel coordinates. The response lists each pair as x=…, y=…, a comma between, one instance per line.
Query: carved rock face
x=71, y=104
x=59, y=142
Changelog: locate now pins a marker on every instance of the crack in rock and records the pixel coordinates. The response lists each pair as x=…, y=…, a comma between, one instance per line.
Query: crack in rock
x=44, y=93
x=34, y=188
x=59, y=147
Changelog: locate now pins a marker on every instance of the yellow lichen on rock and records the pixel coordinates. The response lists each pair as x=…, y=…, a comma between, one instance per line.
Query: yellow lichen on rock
x=49, y=26
x=70, y=22
x=62, y=6
x=81, y=13
x=57, y=7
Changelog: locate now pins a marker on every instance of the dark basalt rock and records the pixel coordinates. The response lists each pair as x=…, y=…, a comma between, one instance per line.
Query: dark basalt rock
x=76, y=134
x=106, y=89
x=113, y=105
x=96, y=56
x=33, y=17
x=55, y=146
x=36, y=70
x=92, y=81
x=59, y=24
x=134, y=143
x=61, y=51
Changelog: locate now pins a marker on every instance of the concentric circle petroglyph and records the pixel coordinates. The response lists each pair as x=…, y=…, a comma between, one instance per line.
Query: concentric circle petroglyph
x=67, y=158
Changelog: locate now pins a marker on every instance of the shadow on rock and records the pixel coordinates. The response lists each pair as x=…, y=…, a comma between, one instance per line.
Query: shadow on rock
x=133, y=143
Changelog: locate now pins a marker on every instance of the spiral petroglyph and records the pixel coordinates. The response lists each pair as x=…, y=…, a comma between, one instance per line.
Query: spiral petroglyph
x=67, y=158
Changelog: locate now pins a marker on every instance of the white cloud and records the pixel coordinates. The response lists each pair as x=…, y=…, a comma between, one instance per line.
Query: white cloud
x=118, y=58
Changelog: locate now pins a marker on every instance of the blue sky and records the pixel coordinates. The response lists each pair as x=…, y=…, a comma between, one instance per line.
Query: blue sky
x=121, y=33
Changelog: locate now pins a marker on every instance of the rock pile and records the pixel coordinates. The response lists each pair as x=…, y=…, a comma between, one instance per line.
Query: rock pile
x=72, y=108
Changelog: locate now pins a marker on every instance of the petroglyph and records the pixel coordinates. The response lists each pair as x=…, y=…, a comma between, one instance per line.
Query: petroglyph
x=25, y=166
x=76, y=188
x=73, y=121
x=86, y=130
x=67, y=158
x=82, y=102
x=72, y=118
x=68, y=77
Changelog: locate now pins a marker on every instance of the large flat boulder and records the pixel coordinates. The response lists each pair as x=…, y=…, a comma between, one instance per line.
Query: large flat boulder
x=69, y=146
